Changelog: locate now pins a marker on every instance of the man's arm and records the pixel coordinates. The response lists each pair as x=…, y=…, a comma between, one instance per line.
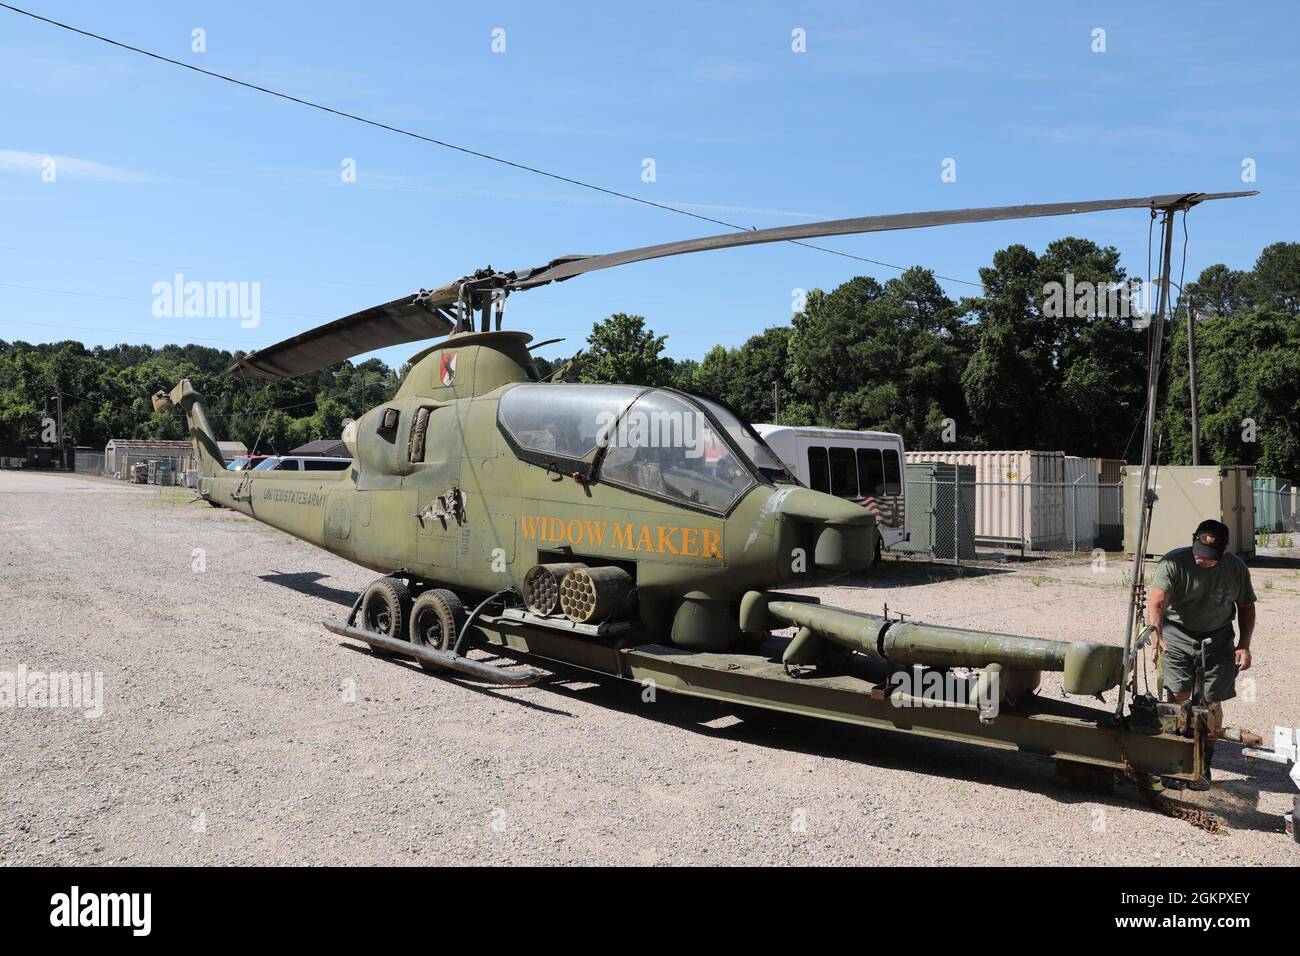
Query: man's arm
x=1157, y=603
x=1246, y=625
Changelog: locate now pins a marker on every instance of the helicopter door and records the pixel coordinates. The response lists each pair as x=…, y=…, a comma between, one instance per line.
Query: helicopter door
x=436, y=482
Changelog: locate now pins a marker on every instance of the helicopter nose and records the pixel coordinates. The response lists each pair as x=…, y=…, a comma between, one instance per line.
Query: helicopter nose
x=841, y=547
x=842, y=534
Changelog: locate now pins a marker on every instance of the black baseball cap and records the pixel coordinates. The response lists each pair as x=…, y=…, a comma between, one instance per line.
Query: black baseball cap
x=1210, y=539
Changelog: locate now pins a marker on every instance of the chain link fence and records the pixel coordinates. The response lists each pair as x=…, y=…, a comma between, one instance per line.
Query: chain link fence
x=953, y=518
x=86, y=461
x=1274, y=505
x=146, y=469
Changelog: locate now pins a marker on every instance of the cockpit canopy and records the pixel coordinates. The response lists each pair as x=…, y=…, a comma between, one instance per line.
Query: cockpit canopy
x=680, y=448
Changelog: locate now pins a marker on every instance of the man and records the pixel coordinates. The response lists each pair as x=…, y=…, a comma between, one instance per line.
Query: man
x=1195, y=594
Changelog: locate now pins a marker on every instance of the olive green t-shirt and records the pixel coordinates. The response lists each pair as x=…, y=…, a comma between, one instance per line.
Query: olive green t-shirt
x=1203, y=599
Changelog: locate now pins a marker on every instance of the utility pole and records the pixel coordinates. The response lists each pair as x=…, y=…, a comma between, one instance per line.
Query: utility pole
x=776, y=403
x=361, y=385
x=1191, y=383
x=58, y=399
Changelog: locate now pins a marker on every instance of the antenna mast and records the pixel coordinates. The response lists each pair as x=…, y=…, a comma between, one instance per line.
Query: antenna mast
x=1133, y=613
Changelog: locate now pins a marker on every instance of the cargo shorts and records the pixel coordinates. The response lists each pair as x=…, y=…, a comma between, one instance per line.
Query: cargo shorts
x=1178, y=664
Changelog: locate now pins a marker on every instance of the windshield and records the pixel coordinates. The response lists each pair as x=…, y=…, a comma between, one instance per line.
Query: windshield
x=748, y=441
x=561, y=421
x=664, y=446
x=266, y=465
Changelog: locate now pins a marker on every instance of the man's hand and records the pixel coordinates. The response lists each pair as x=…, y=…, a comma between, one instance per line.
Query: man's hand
x=1157, y=601
x=1246, y=628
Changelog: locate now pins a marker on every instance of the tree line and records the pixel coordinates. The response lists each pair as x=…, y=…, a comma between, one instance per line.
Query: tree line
x=1047, y=356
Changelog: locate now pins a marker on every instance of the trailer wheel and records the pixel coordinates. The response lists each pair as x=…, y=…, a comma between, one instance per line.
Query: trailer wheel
x=436, y=619
x=385, y=608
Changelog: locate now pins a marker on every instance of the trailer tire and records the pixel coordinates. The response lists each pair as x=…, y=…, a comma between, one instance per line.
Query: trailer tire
x=385, y=609
x=436, y=619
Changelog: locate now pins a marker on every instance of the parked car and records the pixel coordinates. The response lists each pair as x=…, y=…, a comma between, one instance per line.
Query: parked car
x=246, y=462
x=303, y=463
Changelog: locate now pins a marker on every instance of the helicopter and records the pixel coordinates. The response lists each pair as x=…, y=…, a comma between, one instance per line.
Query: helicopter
x=646, y=533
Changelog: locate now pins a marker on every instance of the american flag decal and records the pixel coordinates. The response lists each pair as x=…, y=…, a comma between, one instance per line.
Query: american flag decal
x=888, y=509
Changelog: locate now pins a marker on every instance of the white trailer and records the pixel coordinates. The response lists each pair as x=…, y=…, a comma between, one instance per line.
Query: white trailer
x=866, y=467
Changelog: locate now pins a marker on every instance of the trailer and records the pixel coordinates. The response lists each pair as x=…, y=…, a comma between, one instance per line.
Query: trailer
x=1090, y=744
x=1186, y=495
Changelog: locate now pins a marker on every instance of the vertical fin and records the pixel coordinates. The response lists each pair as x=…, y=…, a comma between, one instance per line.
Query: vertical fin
x=206, y=451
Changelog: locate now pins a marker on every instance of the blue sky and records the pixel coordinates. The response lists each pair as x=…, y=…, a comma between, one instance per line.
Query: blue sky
x=160, y=171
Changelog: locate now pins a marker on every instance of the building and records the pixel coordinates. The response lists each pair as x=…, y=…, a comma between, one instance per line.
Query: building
x=121, y=453
x=230, y=450
x=323, y=448
x=29, y=456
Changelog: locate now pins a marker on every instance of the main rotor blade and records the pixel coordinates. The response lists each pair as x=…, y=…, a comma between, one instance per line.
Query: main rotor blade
x=424, y=316
x=842, y=227
x=408, y=319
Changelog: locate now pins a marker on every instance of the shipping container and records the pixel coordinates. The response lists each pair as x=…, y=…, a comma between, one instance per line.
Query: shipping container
x=1019, y=495
x=1185, y=496
x=1081, y=501
x=936, y=515
x=1110, y=503
x=1110, y=471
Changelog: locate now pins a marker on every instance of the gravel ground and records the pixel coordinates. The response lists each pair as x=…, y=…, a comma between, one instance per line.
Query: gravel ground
x=235, y=729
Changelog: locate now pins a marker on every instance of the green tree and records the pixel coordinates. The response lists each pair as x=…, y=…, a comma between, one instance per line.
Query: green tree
x=1248, y=377
x=1218, y=291
x=621, y=349
x=1274, y=283
x=880, y=357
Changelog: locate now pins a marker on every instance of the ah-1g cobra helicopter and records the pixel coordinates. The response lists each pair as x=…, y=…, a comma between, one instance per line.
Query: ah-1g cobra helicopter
x=581, y=534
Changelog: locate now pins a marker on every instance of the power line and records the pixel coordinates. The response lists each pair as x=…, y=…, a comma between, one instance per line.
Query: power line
x=443, y=143
x=128, y=298
x=314, y=280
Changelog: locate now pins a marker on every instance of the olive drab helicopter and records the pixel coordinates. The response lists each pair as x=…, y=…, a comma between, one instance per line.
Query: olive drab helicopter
x=643, y=533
